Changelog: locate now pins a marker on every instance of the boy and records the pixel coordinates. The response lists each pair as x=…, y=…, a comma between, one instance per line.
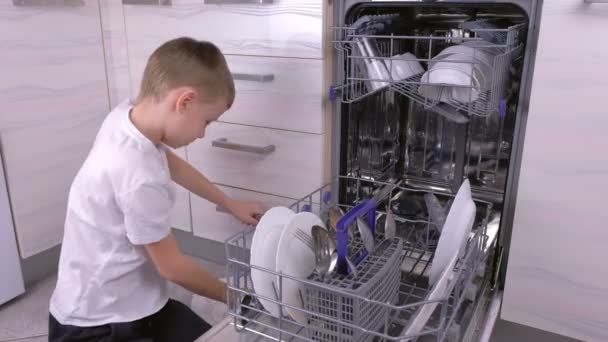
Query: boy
x=118, y=251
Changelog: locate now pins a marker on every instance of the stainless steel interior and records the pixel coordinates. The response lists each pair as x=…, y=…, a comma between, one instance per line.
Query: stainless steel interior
x=394, y=135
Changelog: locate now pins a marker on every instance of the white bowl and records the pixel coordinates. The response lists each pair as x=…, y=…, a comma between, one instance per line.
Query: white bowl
x=403, y=66
x=459, y=73
x=450, y=85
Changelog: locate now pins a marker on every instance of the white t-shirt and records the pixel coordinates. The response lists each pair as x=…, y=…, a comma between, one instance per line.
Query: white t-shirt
x=119, y=201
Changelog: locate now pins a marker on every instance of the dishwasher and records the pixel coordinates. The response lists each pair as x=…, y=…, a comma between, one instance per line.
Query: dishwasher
x=427, y=97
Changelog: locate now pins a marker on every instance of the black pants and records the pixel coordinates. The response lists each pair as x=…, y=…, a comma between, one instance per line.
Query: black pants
x=174, y=322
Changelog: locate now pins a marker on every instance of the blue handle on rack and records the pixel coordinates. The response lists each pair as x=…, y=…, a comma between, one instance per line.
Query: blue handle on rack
x=503, y=108
x=332, y=93
x=327, y=197
x=365, y=207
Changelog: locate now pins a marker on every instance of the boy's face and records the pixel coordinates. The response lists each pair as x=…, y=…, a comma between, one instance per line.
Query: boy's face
x=190, y=119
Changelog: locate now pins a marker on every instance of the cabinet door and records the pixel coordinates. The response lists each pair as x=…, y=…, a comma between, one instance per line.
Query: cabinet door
x=180, y=215
x=557, y=275
x=212, y=222
x=12, y=278
x=54, y=97
x=115, y=50
x=284, y=28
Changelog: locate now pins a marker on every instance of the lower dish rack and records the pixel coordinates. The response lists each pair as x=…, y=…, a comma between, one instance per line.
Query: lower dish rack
x=391, y=286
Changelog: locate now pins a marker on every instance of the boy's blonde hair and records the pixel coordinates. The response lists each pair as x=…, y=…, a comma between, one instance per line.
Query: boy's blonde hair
x=187, y=62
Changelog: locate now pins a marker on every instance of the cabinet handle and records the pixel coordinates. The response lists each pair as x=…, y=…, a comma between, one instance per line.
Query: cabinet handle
x=596, y=1
x=47, y=3
x=224, y=143
x=244, y=2
x=262, y=78
x=148, y=2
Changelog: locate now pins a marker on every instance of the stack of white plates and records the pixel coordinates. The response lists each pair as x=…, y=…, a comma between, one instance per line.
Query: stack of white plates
x=459, y=73
x=276, y=248
x=451, y=247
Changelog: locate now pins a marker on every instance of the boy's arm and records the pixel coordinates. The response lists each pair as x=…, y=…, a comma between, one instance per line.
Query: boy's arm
x=187, y=176
x=178, y=268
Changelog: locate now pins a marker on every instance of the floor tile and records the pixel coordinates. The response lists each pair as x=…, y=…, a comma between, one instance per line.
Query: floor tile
x=43, y=338
x=27, y=315
x=25, y=319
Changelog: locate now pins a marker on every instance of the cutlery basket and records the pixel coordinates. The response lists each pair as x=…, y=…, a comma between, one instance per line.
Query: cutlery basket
x=341, y=306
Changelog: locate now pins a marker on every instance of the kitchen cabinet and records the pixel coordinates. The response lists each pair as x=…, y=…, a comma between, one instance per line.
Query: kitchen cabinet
x=215, y=223
x=273, y=161
x=54, y=97
x=283, y=93
x=12, y=284
x=273, y=147
x=557, y=275
x=283, y=28
x=39, y=177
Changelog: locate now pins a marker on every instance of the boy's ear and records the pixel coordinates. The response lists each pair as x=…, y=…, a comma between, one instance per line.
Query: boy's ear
x=186, y=98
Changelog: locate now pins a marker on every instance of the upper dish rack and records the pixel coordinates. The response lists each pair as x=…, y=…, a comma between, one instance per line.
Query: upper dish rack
x=368, y=63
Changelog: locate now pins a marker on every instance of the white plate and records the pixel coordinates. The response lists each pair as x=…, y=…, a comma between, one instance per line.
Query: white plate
x=437, y=292
x=455, y=232
x=296, y=259
x=264, y=254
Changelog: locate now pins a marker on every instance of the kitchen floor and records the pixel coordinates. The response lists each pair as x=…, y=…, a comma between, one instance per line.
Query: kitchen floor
x=25, y=318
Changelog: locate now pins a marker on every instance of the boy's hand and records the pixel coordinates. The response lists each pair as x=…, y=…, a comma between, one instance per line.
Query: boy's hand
x=248, y=212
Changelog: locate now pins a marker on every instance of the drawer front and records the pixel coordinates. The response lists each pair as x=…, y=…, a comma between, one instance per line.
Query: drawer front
x=282, y=93
x=285, y=28
x=278, y=162
x=180, y=214
x=214, y=223
x=557, y=278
